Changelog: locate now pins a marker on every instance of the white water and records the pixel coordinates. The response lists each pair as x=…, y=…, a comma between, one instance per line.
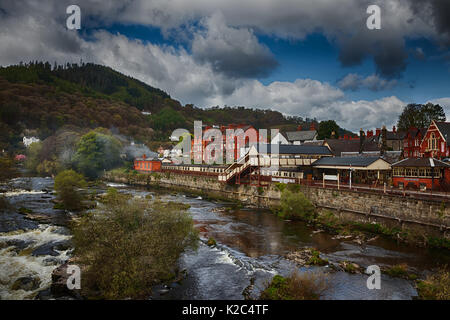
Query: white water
x=21, y=192
x=14, y=265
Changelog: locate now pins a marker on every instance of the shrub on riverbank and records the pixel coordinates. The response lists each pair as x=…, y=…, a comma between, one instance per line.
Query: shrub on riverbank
x=8, y=169
x=435, y=287
x=128, y=245
x=298, y=286
x=295, y=205
x=66, y=184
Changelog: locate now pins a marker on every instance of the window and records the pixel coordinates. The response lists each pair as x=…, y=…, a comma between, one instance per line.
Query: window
x=434, y=145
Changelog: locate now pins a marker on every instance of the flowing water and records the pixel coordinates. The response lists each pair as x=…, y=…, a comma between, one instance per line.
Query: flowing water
x=250, y=250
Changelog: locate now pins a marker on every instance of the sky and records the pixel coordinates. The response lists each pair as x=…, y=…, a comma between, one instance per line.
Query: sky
x=313, y=59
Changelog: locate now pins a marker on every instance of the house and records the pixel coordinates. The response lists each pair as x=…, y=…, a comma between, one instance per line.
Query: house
x=236, y=147
x=423, y=173
x=340, y=146
x=360, y=169
x=411, y=142
x=279, y=138
x=147, y=164
x=394, y=139
x=435, y=143
x=28, y=141
x=300, y=136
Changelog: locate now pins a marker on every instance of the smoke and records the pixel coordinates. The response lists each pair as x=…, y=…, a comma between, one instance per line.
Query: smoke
x=137, y=150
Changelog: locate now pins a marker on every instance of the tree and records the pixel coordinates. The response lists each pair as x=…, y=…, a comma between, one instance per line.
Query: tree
x=66, y=184
x=167, y=119
x=33, y=156
x=326, y=129
x=296, y=206
x=420, y=116
x=8, y=169
x=129, y=245
x=96, y=152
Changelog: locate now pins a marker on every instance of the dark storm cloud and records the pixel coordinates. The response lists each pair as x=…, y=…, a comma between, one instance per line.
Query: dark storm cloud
x=236, y=52
x=439, y=10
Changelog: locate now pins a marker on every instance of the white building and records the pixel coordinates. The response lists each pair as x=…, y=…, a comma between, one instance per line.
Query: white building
x=279, y=138
x=28, y=141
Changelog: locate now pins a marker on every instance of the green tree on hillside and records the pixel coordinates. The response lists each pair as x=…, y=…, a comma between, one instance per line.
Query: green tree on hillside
x=326, y=129
x=420, y=116
x=96, y=152
x=167, y=119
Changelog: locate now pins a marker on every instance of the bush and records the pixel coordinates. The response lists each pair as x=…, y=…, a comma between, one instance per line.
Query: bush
x=298, y=286
x=128, y=245
x=399, y=271
x=8, y=169
x=211, y=242
x=435, y=287
x=296, y=206
x=316, y=260
x=66, y=184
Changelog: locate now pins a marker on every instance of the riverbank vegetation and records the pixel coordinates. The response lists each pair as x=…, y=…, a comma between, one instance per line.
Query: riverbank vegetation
x=8, y=169
x=128, y=245
x=298, y=286
x=295, y=206
x=435, y=286
x=67, y=184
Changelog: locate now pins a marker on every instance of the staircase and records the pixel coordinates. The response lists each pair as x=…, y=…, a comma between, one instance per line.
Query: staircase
x=234, y=169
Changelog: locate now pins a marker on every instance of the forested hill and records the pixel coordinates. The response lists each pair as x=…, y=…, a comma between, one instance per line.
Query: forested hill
x=89, y=80
x=42, y=98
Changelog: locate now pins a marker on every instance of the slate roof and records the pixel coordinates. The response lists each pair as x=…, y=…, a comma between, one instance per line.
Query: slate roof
x=301, y=135
x=338, y=146
x=295, y=149
x=413, y=132
x=147, y=159
x=398, y=135
x=444, y=128
x=346, y=161
x=421, y=162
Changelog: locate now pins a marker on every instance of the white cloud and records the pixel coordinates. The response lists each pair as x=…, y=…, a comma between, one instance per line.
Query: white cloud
x=195, y=78
x=445, y=104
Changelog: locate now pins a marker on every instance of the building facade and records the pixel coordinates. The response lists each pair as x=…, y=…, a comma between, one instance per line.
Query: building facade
x=435, y=144
x=145, y=164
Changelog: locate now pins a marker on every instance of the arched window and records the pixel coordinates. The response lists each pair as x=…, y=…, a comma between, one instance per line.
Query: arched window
x=433, y=141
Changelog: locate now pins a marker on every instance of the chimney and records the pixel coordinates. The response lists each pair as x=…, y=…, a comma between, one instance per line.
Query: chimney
x=299, y=128
x=393, y=129
x=333, y=135
x=144, y=156
x=345, y=136
x=378, y=132
x=362, y=139
x=383, y=141
x=312, y=127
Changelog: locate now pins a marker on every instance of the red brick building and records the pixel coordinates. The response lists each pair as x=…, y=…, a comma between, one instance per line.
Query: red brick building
x=147, y=164
x=251, y=136
x=435, y=144
x=412, y=141
x=423, y=173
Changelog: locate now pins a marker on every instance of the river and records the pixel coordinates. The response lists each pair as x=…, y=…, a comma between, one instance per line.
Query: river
x=251, y=248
